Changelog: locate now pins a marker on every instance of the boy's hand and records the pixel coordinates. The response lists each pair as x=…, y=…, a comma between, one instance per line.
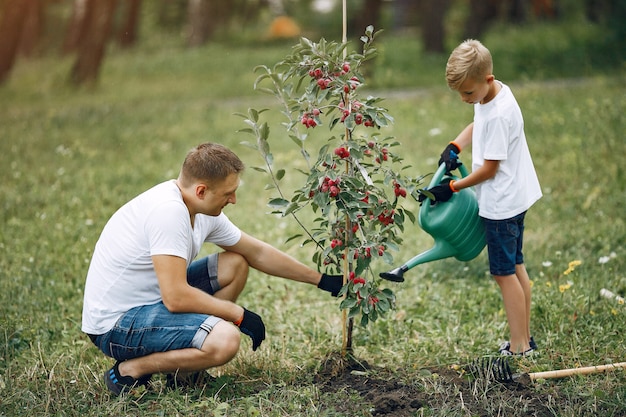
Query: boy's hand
x=441, y=192
x=450, y=157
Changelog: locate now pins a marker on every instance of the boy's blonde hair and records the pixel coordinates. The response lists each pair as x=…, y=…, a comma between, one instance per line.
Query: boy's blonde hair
x=471, y=59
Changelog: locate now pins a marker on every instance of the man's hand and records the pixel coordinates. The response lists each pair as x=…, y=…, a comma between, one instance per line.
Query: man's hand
x=331, y=283
x=441, y=192
x=450, y=156
x=253, y=326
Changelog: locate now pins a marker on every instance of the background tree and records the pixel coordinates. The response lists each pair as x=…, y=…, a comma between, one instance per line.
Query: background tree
x=95, y=28
x=14, y=16
x=432, y=24
x=127, y=33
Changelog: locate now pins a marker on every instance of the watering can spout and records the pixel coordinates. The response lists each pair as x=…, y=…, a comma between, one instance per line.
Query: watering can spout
x=441, y=250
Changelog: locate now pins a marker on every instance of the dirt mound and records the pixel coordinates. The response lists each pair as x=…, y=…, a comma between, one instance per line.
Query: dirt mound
x=434, y=388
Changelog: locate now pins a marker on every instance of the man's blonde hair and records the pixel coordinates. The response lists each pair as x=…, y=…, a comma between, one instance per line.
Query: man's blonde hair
x=471, y=59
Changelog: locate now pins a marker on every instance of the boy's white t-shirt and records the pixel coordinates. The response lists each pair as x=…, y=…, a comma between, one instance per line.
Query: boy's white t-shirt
x=121, y=275
x=498, y=134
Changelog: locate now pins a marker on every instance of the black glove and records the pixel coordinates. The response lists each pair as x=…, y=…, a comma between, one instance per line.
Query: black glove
x=441, y=192
x=253, y=326
x=331, y=283
x=450, y=156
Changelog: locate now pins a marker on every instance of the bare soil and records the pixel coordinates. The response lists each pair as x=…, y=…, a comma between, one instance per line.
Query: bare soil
x=389, y=396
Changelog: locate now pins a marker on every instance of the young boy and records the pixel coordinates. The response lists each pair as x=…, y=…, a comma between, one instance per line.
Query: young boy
x=504, y=178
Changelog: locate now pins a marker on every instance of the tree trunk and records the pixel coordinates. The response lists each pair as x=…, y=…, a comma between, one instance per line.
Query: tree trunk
x=482, y=13
x=11, y=26
x=433, y=31
x=200, y=27
x=127, y=36
x=76, y=28
x=31, y=31
x=205, y=16
x=368, y=15
x=99, y=16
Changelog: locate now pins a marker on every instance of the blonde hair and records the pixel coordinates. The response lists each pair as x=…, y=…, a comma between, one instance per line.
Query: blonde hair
x=471, y=59
x=209, y=162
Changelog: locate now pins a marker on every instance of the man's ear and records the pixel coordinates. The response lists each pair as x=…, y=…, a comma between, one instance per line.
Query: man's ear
x=201, y=190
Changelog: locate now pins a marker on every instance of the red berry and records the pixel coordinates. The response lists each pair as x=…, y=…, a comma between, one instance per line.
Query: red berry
x=346, y=67
x=358, y=118
x=334, y=191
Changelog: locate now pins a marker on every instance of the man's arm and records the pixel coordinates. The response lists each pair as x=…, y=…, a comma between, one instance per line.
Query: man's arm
x=266, y=258
x=180, y=297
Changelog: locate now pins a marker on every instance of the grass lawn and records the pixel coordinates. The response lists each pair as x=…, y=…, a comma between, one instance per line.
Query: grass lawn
x=69, y=159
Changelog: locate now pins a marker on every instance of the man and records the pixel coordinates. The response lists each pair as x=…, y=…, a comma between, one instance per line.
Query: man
x=150, y=307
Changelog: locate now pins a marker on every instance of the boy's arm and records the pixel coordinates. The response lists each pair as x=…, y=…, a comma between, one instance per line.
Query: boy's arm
x=465, y=137
x=485, y=172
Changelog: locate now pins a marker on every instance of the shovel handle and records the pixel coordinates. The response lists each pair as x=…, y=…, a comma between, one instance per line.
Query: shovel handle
x=561, y=373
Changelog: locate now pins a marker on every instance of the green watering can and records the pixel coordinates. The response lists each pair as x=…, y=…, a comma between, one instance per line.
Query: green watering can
x=454, y=224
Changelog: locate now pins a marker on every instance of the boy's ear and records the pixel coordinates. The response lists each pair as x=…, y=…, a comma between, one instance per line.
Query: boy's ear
x=489, y=78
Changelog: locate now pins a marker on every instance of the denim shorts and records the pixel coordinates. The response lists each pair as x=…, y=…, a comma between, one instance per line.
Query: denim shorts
x=153, y=328
x=504, y=244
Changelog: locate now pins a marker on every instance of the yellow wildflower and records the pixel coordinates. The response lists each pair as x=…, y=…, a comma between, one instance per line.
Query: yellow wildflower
x=571, y=266
x=564, y=287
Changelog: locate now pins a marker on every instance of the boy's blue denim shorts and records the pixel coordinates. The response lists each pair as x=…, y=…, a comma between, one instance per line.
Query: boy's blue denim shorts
x=504, y=244
x=152, y=328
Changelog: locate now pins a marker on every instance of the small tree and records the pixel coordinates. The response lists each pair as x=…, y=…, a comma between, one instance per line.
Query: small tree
x=352, y=184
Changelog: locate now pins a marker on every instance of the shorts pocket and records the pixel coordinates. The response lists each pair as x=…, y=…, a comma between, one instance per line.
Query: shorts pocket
x=122, y=353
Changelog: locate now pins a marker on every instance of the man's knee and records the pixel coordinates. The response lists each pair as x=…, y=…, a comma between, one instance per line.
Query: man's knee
x=222, y=344
x=236, y=264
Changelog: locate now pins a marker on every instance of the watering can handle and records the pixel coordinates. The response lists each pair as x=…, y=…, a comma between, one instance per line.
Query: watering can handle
x=442, y=170
x=437, y=179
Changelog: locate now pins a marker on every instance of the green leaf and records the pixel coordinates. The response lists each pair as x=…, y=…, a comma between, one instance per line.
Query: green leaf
x=280, y=174
x=278, y=203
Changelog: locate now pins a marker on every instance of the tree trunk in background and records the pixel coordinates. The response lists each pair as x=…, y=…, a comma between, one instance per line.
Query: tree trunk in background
x=368, y=15
x=76, y=28
x=33, y=24
x=433, y=31
x=482, y=13
x=199, y=17
x=204, y=17
x=11, y=26
x=127, y=36
x=99, y=17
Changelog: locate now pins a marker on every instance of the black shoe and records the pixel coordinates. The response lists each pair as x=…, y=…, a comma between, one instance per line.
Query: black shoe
x=532, y=343
x=119, y=384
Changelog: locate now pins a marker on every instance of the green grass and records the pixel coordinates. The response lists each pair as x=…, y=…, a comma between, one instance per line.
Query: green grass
x=69, y=159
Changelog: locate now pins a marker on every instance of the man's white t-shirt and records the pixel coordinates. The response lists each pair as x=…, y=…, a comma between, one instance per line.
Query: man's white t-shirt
x=121, y=275
x=498, y=134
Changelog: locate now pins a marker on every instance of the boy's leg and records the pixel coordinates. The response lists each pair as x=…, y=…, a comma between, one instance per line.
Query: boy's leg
x=504, y=245
x=524, y=280
x=513, y=297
